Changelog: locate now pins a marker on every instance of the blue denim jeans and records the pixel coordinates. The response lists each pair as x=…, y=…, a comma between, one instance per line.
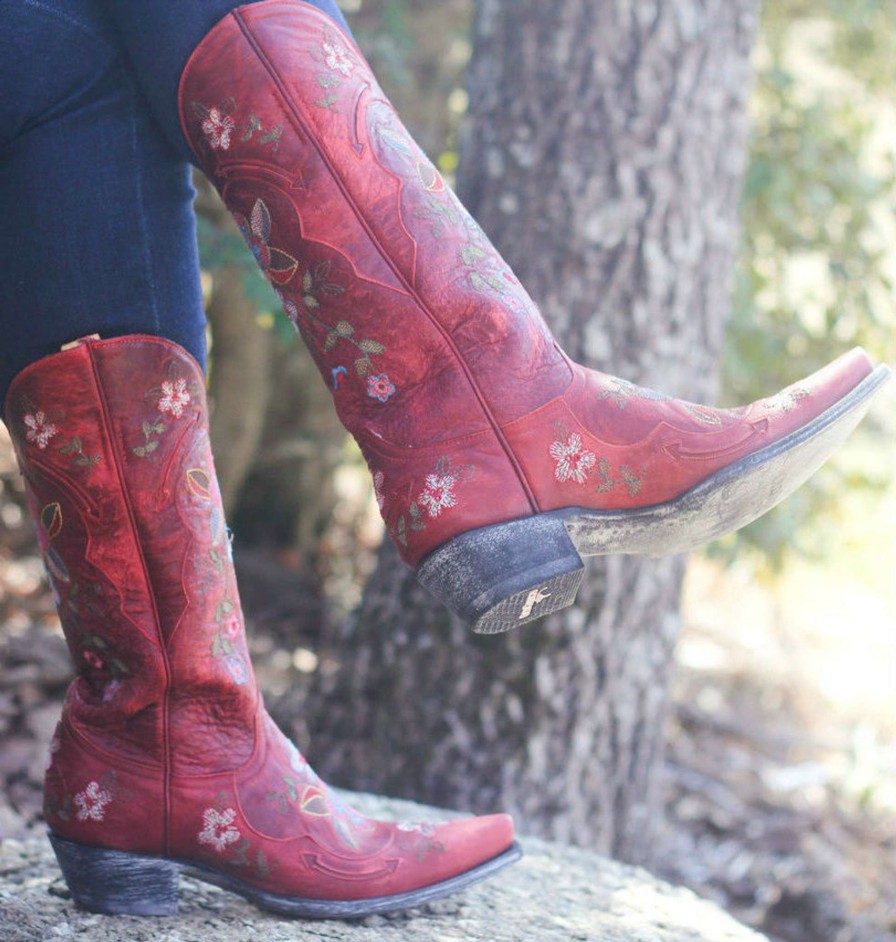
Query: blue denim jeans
x=97, y=233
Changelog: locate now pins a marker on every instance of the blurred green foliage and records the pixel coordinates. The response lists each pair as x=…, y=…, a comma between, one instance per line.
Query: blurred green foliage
x=818, y=259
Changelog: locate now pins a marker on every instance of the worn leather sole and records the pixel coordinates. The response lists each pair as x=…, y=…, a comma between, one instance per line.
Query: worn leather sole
x=117, y=882
x=505, y=575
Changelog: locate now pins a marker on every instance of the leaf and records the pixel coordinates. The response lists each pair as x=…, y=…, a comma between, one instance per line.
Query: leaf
x=307, y=281
x=372, y=346
x=331, y=341
x=152, y=446
x=260, y=221
x=345, y=329
x=362, y=366
x=310, y=301
x=140, y=451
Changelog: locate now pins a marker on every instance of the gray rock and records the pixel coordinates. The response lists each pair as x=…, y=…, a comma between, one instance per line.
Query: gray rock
x=555, y=894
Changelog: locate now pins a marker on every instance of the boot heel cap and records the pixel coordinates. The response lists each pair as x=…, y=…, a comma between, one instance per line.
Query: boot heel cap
x=115, y=882
x=503, y=576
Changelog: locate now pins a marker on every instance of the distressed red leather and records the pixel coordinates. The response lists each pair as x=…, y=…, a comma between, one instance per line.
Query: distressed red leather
x=440, y=364
x=164, y=746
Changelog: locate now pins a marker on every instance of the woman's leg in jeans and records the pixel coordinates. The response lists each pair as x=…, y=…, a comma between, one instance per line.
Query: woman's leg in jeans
x=159, y=38
x=98, y=231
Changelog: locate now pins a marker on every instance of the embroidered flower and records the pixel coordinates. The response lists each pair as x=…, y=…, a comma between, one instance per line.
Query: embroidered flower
x=111, y=690
x=40, y=430
x=218, y=830
x=378, y=480
x=337, y=58
x=438, y=493
x=92, y=802
x=573, y=461
x=379, y=387
x=217, y=129
x=174, y=397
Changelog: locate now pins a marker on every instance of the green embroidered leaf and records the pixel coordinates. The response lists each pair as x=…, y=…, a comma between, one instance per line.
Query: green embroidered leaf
x=477, y=281
x=372, y=346
x=310, y=301
x=401, y=532
x=152, y=446
x=331, y=289
x=331, y=341
x=344, y=329
x=362, y=366
x=307, y=281
x=140, y=451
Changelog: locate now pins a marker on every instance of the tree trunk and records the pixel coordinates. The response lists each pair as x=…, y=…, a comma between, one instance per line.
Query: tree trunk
x=604, y=153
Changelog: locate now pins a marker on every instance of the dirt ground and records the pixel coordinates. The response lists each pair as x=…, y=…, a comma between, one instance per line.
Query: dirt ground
x=781, y=768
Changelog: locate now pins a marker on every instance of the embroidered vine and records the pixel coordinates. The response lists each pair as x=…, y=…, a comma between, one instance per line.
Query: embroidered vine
x=340, y=63
x=229, y=628
x=170, y=398
x=219, y=832
x=438, y=495
x=316, y=286
x=575, y=463
x=621, y=391
x=91, y=803
x=218, y=126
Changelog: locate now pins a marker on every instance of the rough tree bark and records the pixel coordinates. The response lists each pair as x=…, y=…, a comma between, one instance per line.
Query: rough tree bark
x=604, y=155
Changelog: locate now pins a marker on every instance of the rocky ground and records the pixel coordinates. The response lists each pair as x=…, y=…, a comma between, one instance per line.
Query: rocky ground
x=775, y=804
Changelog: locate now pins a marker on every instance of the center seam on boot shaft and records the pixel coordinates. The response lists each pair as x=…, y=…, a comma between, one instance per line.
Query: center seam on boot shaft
x=286, y=97
x=128, y=503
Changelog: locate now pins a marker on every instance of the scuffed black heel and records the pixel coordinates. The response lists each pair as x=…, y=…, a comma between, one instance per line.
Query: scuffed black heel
x=115, y=882
x=508, y=574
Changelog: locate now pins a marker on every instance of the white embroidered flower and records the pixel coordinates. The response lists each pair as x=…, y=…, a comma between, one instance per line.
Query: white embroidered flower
x=174, y=397
x=217, y=129
x=573, y=461
x=378, y=480
x=438, y=493
x=337, y=58
x=92, y=802
x=218, y=831
x=40, y=430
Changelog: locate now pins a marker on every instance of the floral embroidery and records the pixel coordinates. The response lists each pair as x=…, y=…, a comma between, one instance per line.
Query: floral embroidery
x=576, y=463
x=438, y=493
x=337, y=57
x=92, y=802
x=787, y=400
x=417, y=827
x=40, y=429
x=315, y=286
x=174, y=398
x=573, y=460
x=339, y=61
x=170, y=397
x=620, y=391
x=379, y=387
x=230, y=627
x=218, y=126
x=96, y=654
x=75, y=448
x=217, y=129
x=218, y=830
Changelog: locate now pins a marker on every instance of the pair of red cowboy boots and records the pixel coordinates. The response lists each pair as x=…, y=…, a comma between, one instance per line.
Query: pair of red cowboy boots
x=497, y=464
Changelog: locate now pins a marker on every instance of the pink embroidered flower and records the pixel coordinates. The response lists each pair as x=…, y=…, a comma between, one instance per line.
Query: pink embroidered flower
x=337, y=58
x=573, y=460
x=218, y=830
x=378, y=480
x=438, y=493
x=217, y=129
x=379, y=387
x=40, y=430
x=174, y=397
x=92, y=802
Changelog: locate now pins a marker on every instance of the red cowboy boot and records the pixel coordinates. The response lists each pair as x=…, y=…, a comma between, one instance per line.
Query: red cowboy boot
x=165, y=760
x=497, y=462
